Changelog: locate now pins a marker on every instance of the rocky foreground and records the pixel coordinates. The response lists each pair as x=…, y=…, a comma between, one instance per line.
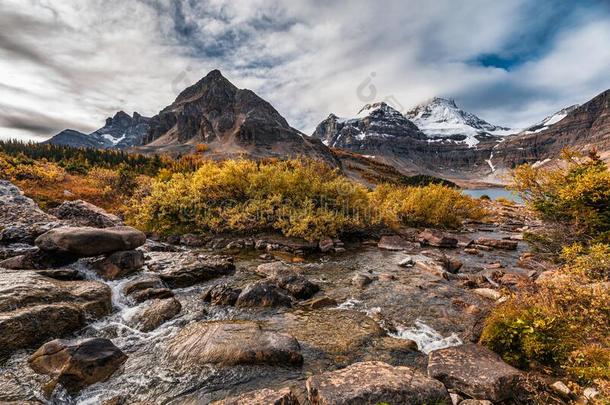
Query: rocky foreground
x=91, y=311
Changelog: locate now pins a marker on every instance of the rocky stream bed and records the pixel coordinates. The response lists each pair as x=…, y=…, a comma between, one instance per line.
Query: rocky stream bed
x=263, y=320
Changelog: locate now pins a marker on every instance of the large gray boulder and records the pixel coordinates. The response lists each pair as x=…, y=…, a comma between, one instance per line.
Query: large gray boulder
x=21, y=220
x=263, y=294
x=475, y=371
x=231, y=343
x=88, y=241
x=79, y=364
x=34, y=308
x=375, y=382
x=82, y=213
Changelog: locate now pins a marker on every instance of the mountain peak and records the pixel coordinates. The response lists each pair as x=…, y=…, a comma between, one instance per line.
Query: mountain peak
x=442, y=101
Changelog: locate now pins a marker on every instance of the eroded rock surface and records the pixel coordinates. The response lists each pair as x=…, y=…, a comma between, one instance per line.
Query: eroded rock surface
x=232, y=343
x=155, y=313
x=475, y=371
x=375, y=382
x=262, y=397
x=79, y=364
x=34, y=308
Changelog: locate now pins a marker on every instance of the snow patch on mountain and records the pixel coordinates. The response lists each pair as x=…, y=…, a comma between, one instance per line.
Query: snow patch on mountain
x=550, y=120
x=442, y=118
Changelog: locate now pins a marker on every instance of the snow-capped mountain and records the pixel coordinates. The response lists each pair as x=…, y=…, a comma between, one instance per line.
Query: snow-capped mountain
x=550, y=120
x=442, y=118
x=374, y=122
x=120, y=132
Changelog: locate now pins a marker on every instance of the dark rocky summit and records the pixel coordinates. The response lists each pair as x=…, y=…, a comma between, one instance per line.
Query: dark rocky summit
x=231, y=121
x=120, y=132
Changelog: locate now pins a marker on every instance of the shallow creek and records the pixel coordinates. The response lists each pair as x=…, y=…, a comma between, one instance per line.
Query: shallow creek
x=367, y=323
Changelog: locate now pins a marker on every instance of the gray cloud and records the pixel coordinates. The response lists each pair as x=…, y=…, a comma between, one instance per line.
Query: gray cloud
x=74, y=63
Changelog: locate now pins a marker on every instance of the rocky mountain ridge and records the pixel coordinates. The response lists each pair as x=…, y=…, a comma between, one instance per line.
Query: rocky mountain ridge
x=121, y=131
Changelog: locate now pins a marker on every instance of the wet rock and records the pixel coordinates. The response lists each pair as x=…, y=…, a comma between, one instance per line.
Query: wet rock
x=37, y=259
x=79, y=364
x=438, y=238
x=262, y=294
x=62, y=274
x=476, y=371
x=233, y=343
x=395, y=242
x=155, y=246
x=88, y=242
x=14, y=392
x=475, y=402
x=81, y=213
x=15, y=249
x=185, y=269
x=361, y=280
x=143, y=282
x=287, y=278
x=504, y=244
x=326, y=245
x=262, y=397
x=118, y=264
x=34, y=308
x=21, y=220
x=155, y=313
x=373, y=383
x=221, y=294
x=151, y=293
x=319, y=302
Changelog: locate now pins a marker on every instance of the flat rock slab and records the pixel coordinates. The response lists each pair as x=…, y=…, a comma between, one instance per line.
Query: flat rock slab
x=79, y=364
x=184, y=269
x=233, y=343
x=88, y=241
x=375, y=382
x=262, y=397
x=34, y=308
x=475, y=371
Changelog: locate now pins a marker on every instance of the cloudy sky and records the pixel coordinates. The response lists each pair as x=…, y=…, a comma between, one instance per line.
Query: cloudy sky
x=71, y=63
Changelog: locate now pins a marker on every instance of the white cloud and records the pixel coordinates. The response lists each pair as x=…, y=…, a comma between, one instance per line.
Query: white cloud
x=75, y=63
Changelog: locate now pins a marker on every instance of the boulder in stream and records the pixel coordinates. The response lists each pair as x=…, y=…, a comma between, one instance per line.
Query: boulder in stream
x=286, y=277
x=88, y=241
x=374, y=382
x=79, y=364
x=504, y=244
x=119, y=264
x=34, y=308
x=265, y=396
x=231, y=343
x=475, y=371
x=155, y=313
x=263, y=294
